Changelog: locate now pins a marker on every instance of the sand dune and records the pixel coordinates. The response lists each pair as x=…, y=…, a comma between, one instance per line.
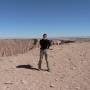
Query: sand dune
x=69, y=63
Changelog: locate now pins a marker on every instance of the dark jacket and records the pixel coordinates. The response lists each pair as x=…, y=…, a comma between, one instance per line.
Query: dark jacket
x=45, y=44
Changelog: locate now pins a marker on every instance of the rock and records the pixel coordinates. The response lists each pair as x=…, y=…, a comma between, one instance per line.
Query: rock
x=23, y=81
x=77, y=88
x=52, y=85
x=69, y=59
x=73, y=68
x=9, y=82
x=56, y=79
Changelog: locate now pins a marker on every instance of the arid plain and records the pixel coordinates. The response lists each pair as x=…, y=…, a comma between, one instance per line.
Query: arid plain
x=69, y=64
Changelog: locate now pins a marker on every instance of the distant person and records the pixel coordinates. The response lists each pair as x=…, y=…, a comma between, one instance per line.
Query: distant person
x=44, y=46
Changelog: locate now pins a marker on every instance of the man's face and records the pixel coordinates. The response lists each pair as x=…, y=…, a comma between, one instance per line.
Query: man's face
x=45, y=36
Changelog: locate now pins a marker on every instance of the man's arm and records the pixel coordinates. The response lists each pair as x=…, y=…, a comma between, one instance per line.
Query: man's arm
x=40, y=42
x=49, y=43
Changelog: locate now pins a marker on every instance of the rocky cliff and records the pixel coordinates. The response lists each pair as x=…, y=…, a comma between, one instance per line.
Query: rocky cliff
x=9, y=47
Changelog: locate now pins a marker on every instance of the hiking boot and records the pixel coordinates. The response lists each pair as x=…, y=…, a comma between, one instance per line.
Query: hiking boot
x=48, y=70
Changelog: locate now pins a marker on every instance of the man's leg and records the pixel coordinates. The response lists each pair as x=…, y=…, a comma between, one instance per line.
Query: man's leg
x=46, y=58
x=40, y=60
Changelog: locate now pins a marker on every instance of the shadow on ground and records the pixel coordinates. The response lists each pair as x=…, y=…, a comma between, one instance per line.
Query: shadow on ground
x=26, y=67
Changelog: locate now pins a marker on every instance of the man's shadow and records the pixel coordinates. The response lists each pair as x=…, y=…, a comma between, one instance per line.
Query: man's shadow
x=26, y=67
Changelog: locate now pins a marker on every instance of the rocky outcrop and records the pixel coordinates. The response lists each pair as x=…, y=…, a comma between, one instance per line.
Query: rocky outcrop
x=67, y=41
x=59, y=42
x=55, y=42
x=9, y=47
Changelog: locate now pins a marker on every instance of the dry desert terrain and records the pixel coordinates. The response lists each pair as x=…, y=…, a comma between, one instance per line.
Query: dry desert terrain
x=69, y=64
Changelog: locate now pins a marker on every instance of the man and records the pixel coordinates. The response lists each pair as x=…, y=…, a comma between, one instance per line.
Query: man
x=44, y=46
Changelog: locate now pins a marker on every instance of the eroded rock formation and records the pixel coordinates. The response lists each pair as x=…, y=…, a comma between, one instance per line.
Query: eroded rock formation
x=9, y=47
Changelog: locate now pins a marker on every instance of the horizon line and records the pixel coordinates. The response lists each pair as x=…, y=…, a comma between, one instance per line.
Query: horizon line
x=48, y=37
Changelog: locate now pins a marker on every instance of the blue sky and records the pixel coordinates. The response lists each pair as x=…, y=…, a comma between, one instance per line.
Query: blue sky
x=32, y=18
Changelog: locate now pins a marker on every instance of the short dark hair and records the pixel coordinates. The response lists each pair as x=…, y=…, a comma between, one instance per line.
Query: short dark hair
x=44, y=34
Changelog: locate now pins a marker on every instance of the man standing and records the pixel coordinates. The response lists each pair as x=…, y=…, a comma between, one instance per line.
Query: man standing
x=44, y=46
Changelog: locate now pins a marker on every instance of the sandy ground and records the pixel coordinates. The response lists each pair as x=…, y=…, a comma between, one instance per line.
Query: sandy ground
x=69, y=63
